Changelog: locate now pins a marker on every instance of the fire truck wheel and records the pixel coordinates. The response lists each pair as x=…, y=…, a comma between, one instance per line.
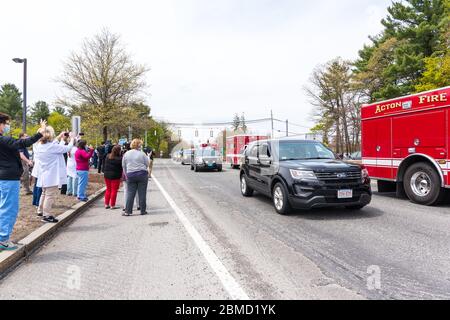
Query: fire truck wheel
x=422, y=184
x=245, y=189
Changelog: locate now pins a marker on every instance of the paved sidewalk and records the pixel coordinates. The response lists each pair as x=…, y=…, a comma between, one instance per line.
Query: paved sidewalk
x=103, y=255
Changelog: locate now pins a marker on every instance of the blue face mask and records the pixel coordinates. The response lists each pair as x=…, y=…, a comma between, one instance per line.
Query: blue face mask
x=7, y=129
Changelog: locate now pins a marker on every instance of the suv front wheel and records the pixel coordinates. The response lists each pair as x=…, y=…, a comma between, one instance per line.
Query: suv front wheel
x=245, y=189
x=280, y=199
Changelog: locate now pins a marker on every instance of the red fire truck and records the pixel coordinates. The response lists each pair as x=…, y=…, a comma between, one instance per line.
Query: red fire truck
x=406, y=145
x=236, y=146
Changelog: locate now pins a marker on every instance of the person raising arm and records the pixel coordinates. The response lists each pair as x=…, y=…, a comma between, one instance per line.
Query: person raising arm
x=10, y=172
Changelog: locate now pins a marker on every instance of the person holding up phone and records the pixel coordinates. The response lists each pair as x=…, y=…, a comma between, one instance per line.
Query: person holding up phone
x=52, y=170
x=10, y=172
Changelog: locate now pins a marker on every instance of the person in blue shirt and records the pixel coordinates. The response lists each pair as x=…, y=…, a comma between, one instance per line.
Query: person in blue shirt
x=10, y=172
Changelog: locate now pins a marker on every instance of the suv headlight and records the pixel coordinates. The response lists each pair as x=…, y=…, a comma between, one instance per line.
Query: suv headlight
x=302, y=174
x=364, y=175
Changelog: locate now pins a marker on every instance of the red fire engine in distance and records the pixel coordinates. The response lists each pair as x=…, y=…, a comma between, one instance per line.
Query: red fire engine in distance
x=236, y=146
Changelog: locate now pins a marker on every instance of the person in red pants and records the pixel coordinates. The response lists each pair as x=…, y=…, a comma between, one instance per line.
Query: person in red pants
x=113, y=175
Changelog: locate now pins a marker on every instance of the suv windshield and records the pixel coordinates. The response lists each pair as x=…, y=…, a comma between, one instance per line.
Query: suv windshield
x=296, y=150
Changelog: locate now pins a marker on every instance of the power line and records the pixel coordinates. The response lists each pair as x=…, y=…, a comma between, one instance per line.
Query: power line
x=212, y=124
x=292, y=124
x=229, y=123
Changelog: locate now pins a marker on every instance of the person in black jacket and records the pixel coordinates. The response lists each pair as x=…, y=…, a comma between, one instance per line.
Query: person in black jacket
x=101, y=152
x=10, y=172
x=113, y=176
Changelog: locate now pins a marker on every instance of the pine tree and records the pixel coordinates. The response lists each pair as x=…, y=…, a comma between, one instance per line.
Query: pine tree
x=40, y=111
x=11, y=101
x=243, y=124
x=61, y=110
x=397, y=58
x=236, y=122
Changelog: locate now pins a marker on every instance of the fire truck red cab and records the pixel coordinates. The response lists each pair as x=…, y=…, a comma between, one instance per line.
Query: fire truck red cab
x=405, y=145
x=236, y=146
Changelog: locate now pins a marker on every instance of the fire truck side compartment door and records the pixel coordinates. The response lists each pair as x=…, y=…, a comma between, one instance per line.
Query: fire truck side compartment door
x=377, y=147
x=424, y=133
x=384, y=148
x=369, y=145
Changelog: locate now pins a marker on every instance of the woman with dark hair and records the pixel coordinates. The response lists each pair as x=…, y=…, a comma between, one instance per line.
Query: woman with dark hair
x=82, y=159
x=10, y=172
x=113, y=174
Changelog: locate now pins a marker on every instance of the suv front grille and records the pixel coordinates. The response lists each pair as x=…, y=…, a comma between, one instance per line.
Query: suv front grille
x=338, y=176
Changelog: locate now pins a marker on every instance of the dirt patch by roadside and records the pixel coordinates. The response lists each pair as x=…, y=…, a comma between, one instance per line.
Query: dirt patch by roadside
x=28, y=221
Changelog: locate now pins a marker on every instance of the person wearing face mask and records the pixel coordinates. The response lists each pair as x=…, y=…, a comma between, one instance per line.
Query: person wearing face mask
x=10, y=173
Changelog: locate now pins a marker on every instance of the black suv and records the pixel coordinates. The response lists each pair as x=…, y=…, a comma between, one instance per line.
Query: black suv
x=303, y=175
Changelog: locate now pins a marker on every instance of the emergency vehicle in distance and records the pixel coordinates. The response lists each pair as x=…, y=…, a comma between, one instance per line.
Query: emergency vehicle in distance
x=236, y=146
x=206, y=156
x=406, y=145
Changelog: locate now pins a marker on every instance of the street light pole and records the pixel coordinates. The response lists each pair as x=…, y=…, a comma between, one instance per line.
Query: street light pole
x=24, y=116
x=24, y=111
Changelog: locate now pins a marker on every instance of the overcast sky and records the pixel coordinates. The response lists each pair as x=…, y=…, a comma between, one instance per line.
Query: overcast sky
x=209, y=58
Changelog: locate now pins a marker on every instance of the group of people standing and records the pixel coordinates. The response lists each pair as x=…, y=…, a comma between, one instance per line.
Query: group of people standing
x=133, y=165
x=64, y=160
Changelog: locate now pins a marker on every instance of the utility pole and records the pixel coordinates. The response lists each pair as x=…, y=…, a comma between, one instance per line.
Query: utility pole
x=129, y=134
x=271, y=120
x=24, y=116
x=224, y=145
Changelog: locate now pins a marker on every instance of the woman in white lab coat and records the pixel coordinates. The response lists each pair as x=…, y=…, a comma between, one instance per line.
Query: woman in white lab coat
x=72, y=178
x=52, y=172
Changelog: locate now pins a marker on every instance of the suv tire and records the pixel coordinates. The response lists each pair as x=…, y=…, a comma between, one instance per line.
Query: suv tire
x=280, y=199
x=245, y=189
x=422, y=184
x=219, y=168
x=195, y=168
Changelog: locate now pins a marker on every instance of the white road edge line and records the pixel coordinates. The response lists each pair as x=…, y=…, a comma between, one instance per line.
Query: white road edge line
x=230, y=284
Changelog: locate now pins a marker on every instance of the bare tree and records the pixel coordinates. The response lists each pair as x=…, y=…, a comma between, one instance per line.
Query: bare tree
x=102, y=79
x=337, y=104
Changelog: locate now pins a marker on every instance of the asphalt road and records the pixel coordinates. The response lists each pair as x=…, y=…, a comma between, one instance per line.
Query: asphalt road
x=392, y=249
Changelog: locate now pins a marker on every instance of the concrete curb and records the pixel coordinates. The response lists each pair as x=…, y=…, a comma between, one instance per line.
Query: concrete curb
x=11, y=259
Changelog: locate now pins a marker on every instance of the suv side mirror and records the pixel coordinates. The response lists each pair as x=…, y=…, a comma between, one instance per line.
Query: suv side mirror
x=265, y=161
